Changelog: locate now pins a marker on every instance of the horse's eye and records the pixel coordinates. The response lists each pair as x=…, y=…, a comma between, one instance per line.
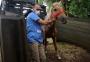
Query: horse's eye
x=54, y=9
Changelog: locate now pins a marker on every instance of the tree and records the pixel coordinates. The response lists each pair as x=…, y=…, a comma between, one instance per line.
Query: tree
x=78, y=8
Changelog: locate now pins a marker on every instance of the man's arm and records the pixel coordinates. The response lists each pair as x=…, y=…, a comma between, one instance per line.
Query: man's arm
x=44, y=22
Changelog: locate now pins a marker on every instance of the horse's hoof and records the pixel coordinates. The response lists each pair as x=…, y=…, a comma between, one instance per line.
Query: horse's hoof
x=59, y=58
x=45, y=51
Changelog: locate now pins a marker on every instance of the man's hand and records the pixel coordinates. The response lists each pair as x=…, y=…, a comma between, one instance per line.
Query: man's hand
x=45, y=22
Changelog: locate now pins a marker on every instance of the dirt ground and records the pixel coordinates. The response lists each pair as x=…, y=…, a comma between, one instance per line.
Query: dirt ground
x=68, y=52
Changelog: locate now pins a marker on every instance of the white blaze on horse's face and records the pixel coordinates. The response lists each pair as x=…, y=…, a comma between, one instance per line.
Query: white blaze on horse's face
x=56, y=5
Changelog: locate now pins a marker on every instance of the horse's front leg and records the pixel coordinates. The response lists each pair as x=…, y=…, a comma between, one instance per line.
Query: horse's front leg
x=55, y=44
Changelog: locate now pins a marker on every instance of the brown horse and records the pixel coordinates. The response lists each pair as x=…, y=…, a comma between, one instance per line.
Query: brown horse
x=51, y=32
x=57, y=14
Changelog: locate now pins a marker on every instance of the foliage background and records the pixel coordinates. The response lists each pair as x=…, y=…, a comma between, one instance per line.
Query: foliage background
x=77, y=8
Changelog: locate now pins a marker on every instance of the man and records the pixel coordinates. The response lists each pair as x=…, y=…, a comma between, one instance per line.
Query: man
x=35, y=35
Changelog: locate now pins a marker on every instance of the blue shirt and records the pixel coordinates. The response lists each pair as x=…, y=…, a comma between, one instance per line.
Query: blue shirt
x=33, y=28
